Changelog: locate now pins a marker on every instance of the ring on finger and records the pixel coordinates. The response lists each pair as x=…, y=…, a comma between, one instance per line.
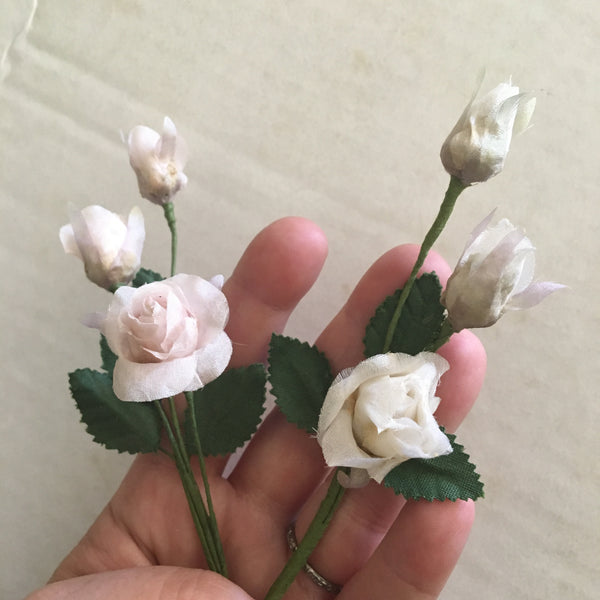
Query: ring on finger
x=312, y=573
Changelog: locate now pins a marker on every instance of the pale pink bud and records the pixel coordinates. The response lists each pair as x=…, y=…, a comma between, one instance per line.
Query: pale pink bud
x=158, y=161
x=494, y=275
x=109, y=246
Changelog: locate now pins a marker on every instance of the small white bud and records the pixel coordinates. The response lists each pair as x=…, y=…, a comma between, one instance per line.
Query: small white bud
x=477, y=147
x=158, y=161
x=109, y=246
x=494, y=275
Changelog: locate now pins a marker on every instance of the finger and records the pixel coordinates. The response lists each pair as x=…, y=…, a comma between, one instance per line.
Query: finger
x=417, y=556
x=274, y=450
x=342, y=340
x=150, y=583
x=461, y=384
x=275, y=272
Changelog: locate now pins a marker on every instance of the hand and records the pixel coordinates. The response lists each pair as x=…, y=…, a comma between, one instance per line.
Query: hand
x=378, y=545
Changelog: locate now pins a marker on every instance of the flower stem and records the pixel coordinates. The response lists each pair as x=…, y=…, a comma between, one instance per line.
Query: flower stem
x=194, y=490
x=211, y=511
x=194, y=498
x=455, y=187
x=310, y=540
x=169, y=209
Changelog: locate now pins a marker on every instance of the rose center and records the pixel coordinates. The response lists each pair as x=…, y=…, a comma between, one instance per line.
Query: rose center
x=162, y=328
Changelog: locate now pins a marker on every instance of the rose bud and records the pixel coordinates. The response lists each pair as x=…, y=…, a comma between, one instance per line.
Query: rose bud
x=109, y=246
x=493, y=275
x=158, y=161
x=477, y=147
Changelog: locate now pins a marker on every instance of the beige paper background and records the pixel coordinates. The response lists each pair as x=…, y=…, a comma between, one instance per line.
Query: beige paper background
x=334, y=111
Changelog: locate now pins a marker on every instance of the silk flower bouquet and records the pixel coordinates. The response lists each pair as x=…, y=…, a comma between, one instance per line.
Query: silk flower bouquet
x=164, y=386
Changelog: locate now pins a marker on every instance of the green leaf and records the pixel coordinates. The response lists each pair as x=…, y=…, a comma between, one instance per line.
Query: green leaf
x=300, y=376
x=109, y=358
x=124, y=426
x=419, y=324
x=228, y=410
x=449, y=477
x=144, y=276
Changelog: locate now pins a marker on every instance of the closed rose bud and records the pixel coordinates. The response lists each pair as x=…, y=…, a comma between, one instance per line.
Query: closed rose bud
x=477, y=147
x=158, y=161
x=494, y=275
x=109, y=246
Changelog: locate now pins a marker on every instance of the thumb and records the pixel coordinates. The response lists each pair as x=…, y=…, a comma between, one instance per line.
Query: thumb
x=149, y=583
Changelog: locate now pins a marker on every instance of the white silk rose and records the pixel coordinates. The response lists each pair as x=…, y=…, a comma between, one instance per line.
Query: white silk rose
x=109, y=246
x=493, y=275
x=158, y=161
x=477, y=147
x=380, y=414
x=168, y=336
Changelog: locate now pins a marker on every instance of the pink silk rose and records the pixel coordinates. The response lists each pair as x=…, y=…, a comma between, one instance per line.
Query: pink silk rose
x=169, y=337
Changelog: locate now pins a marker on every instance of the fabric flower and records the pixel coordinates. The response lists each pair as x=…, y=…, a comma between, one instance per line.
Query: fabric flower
x=158, y=161
x=493, y=275
x=109, y=246
x=477, y=147
x=380, y=414
x=168, y=337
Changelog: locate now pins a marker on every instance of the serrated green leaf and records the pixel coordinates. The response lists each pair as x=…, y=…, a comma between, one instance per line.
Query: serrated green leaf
x=300, y=376
x=124, y=426
x=419, y=323
x=109, y=358
x=449, y=477
x=228, y=410
x=144, y=276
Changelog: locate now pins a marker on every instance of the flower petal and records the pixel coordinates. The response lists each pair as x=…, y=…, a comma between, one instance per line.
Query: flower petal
x=524, y=114
x=206, y=302
x=136, y=234
x=67, y=239
x=141, y=142
x=212, y=360
x=533, y=295
x=143, y=382
x=167, y=143
x=356, y=479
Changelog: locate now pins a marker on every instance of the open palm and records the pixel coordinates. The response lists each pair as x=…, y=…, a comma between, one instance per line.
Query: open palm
x=378, y=546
